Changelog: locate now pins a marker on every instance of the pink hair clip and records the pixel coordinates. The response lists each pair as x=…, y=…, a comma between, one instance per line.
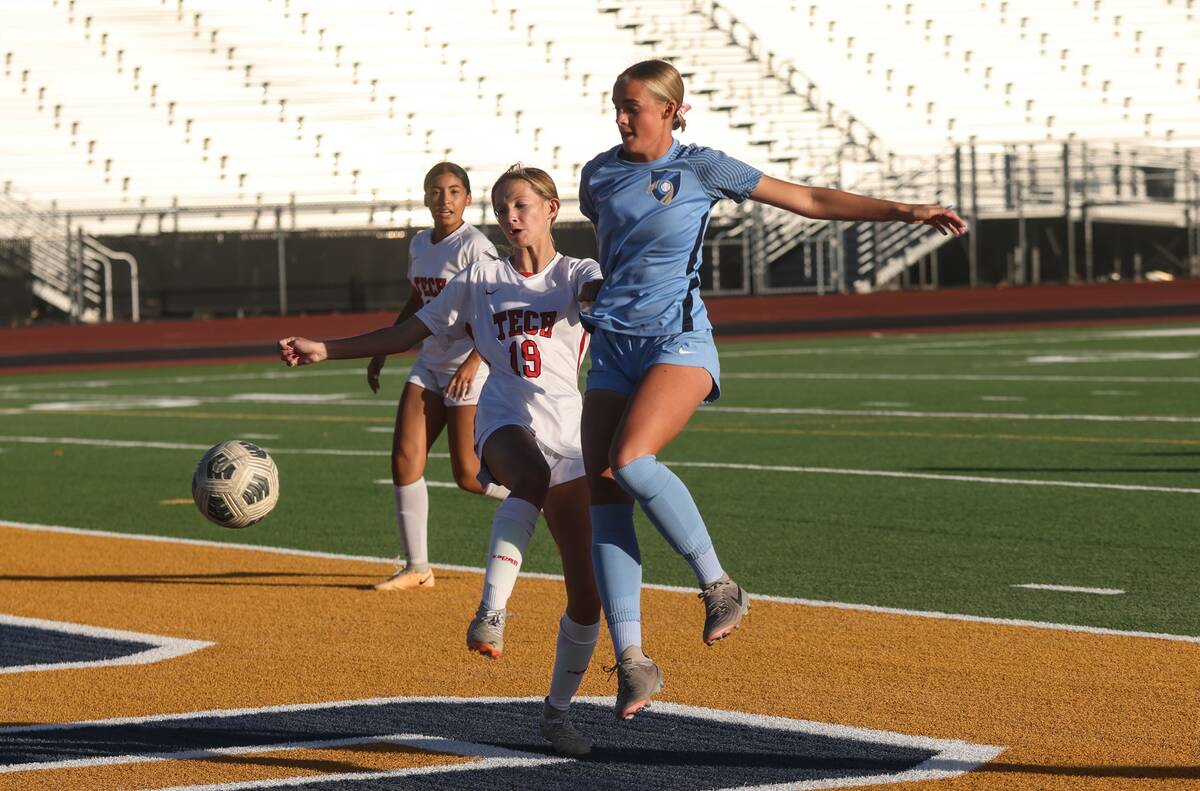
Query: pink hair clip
x=683, y=108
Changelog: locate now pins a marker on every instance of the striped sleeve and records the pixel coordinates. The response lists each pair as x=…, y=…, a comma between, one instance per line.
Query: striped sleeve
x=587, y=206
x=722, y=175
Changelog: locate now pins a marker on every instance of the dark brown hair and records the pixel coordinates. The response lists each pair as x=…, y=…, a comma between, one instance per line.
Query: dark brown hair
x=453, y=170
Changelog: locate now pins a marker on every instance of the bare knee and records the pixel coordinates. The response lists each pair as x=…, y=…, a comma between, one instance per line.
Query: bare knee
x=408, y=465
x=466, y=478
x=530, y=484
x=621, y=455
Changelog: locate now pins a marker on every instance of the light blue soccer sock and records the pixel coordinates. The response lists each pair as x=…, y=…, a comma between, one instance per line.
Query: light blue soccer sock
x=669, y=504
x=618, y=564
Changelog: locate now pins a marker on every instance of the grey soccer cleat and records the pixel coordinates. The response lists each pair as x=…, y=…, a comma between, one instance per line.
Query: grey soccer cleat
x=486, y=632
x=556, y=728
x=638, y=679
x=724, y=605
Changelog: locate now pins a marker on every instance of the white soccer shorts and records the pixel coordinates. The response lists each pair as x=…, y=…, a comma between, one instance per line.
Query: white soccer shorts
x=435, y=380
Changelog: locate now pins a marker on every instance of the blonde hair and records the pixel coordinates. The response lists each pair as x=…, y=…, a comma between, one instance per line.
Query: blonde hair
x=537, y=179
x=664, y=83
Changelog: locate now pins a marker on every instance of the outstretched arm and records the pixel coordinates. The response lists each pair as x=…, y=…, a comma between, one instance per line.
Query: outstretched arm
x=826, y=204
x=397, y=338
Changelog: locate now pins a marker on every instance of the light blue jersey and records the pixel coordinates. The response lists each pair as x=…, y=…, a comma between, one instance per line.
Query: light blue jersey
x=650, y=220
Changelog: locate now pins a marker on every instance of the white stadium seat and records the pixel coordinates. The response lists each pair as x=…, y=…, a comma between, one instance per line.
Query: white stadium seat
x=125, y=104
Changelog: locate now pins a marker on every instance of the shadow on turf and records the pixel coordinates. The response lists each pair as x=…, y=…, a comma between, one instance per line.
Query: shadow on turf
x=316, y=764
x=247, y=578
x=839, y=765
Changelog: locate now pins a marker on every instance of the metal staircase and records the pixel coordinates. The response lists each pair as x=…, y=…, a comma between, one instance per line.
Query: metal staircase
x=69, y=270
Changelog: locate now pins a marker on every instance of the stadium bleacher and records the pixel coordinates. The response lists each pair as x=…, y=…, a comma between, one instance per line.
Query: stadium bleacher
x=216, y=112
x=129, y=103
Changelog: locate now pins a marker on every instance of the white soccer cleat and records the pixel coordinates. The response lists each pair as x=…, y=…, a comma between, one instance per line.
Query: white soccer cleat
x=407, y=579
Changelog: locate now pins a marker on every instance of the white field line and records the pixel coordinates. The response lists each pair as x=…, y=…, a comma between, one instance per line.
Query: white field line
x=951, y=756
x=266, y=375
x=933, y=614
x=416, y=740
x=748, y=410
x=931, y=476
x=1175, y=332
x=124, y=443
x=285, y=399
x=434, y=484
x=853, y=377
x=157, y=647
x=1041, y=586
x=937, y=350
x=1064, y=358
x=884, y=344
x=129, y=443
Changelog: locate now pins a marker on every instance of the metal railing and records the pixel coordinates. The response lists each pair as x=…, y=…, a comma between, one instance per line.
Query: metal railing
x=1079, y=182
x=70, y=270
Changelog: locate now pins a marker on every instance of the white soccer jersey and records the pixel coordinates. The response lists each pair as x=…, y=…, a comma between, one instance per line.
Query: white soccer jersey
x=430, y=267
x=527, y=330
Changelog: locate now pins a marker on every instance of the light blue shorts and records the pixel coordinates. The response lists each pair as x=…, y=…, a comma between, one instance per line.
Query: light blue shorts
x=620, y=361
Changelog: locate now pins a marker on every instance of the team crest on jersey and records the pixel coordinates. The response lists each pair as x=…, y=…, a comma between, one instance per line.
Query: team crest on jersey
x=664, y=185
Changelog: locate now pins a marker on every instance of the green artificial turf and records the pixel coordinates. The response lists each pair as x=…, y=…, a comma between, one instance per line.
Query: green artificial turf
x=806, y=527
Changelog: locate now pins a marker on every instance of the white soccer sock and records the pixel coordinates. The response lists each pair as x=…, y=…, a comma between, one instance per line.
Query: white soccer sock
x=571, y=657
x=412, y=522
x=512, y=527
x=496, y=491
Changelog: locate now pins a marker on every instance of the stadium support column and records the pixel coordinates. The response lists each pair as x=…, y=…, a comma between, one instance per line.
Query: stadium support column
x=1191, y=214
x=1066, y=169
x=68, y=256
x=78, y=247
x=973, y=236
x=1021, y=275
x=281, y=256
x=1089, y=267
x=758, y=250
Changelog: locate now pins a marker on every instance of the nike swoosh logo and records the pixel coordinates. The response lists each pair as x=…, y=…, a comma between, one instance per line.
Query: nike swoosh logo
x=685, y=351
x=489, y=293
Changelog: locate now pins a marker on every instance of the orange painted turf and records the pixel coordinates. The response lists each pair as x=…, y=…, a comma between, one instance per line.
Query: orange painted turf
x=1074, y=710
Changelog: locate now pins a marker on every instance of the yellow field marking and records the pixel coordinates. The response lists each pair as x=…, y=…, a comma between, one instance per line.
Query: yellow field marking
x=937, y=435
x=177, y=501
x=1075, y=710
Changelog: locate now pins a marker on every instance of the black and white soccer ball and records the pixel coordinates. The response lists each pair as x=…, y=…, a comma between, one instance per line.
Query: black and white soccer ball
x=235, y=484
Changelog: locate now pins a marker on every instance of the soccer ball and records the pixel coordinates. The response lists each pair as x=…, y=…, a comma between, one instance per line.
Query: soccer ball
x=235, y=484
